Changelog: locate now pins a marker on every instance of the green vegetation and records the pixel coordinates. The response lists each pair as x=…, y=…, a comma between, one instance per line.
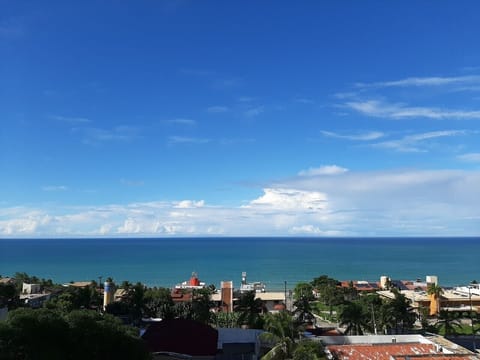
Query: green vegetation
x=80, y=334
x=73, y=324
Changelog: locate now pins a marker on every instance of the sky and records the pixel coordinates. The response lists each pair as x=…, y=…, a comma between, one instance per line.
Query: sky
x=239, y=118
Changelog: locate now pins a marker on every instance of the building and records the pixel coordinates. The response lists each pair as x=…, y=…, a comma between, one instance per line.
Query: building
x=397, y=347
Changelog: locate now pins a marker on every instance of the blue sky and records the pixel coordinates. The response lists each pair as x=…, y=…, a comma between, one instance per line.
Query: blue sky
x=203, y=118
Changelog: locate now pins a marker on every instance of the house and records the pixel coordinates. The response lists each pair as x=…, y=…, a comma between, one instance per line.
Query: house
x=31, y=288
x=384, y=347
x=181, y=337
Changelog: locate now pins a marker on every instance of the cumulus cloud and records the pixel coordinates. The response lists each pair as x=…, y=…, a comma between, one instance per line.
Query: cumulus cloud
x=396, y=202
x=187, y=204
x=290, y=199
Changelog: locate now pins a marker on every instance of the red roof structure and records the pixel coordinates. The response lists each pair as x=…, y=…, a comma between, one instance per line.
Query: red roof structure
x=182, y=336
x=381, y=351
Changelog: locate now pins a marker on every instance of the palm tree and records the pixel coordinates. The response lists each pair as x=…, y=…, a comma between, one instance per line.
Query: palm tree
x=354, y=318
x=435, y=292
x=281, y=332
x=303, y=310
x=250, y=309
x=402, y=313
x=448, y=322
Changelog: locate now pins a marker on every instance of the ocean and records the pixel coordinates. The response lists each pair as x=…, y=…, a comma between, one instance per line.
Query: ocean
x=274, y=261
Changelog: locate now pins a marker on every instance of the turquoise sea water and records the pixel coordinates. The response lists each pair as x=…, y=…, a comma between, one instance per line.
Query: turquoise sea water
x=167, y=261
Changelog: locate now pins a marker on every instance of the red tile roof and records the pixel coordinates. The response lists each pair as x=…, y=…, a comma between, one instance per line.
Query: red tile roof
x=436, y=357
x=380, y=351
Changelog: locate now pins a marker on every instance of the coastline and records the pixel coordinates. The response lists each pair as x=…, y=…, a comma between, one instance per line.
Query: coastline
x=273, y=260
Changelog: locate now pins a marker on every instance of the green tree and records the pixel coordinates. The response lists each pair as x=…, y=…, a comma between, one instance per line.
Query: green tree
x=308, y=350
x=303, y=310
x=82, y=334
x=281, y=333
x=225, y=320
x=448, y=323
x=303, y=290
x=398, y=315
x=330, y=293
x=158, y=302
x=202, y=305
x=8, y=296
x=250, y=309
x=353, y=316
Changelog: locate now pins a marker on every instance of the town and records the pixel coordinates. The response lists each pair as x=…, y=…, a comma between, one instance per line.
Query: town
x=324, y=318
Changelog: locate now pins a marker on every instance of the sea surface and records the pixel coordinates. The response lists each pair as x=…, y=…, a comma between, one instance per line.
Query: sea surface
x=274, y=261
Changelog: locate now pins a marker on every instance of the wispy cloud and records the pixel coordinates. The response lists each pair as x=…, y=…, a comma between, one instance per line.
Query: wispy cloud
x=227, y=82
x=367, y=136
x=70, y=119
x=469, y=157
x=128, y=182
x=401, y=111
x=245, y=99
x=423, y=81
x=217, y=109
x=55, y=188
x=181, y=121
x=186, y=140
x=302, y=100
x=254, y=111
x=122, y=133
x=412, y=143
x=323, y=170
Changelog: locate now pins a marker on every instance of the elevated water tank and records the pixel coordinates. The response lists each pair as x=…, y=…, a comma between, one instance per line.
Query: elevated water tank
x=432, y=279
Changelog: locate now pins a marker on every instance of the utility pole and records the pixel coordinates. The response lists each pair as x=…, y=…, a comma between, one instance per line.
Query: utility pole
x=471, y=318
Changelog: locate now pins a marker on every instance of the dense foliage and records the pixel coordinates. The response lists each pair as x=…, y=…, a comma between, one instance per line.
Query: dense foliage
x=80, y=334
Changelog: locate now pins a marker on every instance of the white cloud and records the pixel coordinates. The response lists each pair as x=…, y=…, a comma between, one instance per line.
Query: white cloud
x=128, y=182
x=303, y=101
x=187, y=204
x=254, y=111
x=217, y=109
x=71, y=120
x=367, y=136
x=470, y=157
x=323, y=170
x=186, y=140
x=181, y=121
x=121, y=133
x=401, y=111
x=413, y=143
x=424, y=81
x=290, y=199
x=313, y=230
x=396, y=202
x=54, y=188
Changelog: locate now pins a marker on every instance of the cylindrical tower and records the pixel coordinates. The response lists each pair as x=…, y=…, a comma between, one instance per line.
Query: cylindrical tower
x=107, y=293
